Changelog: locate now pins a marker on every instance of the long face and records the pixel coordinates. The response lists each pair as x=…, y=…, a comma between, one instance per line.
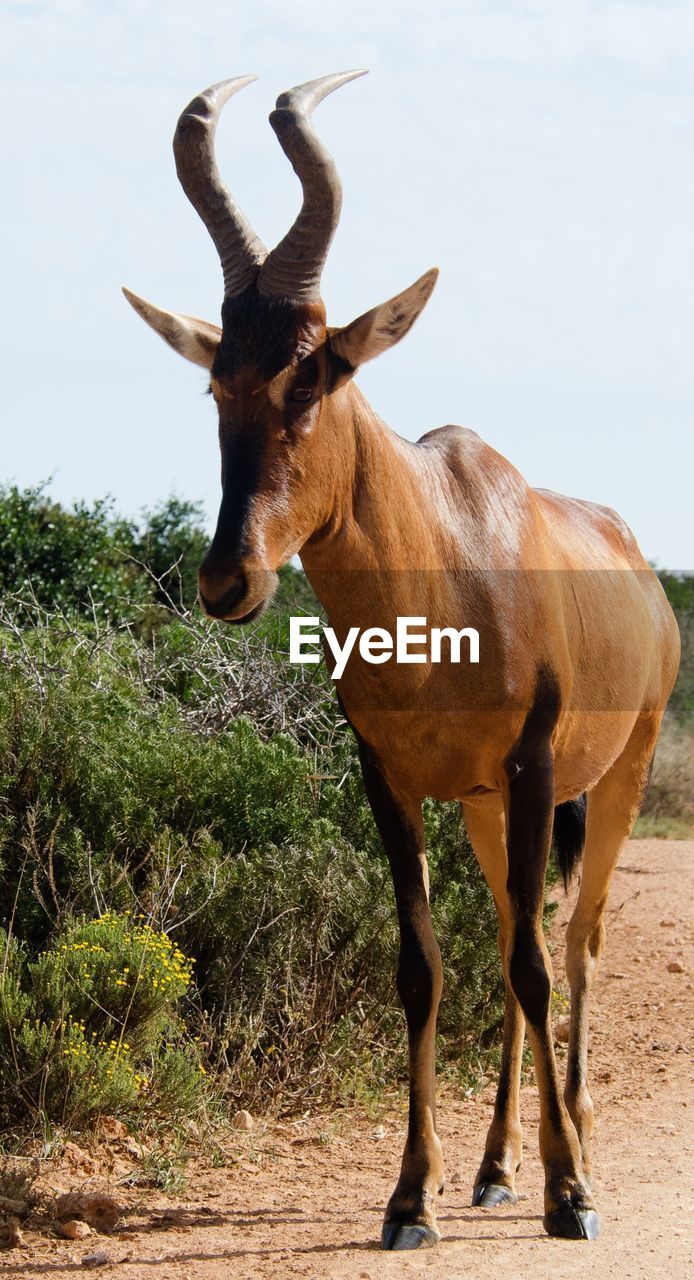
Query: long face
x=274, y=366
x=268, y=380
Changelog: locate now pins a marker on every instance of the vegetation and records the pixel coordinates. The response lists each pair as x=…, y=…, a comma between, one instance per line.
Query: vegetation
x=167, y=783
x=90, y=1025
x=668, y=808
x=194, y=904
x=89, y=562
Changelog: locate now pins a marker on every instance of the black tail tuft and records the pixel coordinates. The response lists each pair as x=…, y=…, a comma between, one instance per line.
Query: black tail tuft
x=568, y=835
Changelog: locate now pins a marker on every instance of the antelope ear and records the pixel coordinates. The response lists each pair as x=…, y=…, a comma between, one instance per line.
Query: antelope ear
x=381, y=328
x=197, y=340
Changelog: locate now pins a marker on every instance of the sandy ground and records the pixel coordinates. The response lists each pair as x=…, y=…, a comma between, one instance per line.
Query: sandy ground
x=305, y=1198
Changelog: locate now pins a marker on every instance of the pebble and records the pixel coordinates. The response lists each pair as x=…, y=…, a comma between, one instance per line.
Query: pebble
x=95, y=1260
x=675, y=966
x=100, y=1211
x=110, y=1127
x=243, y=1120
x=12, y=1237
x=561, y=1030
x=73, y=1229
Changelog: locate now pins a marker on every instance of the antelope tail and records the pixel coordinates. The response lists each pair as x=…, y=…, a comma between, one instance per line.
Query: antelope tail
x=568, y=835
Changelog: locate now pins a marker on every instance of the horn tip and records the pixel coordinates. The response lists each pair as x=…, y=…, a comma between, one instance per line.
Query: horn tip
x=138, y=304
x=304, y=97
x=203, y=109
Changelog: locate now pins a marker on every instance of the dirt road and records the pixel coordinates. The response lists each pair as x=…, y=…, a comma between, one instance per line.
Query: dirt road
x=305, y=1199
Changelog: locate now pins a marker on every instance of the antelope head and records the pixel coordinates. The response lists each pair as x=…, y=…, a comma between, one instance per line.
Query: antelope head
x=276, y=370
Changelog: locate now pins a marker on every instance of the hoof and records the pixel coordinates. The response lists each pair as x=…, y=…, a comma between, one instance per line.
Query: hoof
x=488, y=1195
x=408, y=1235
x=572, y=1224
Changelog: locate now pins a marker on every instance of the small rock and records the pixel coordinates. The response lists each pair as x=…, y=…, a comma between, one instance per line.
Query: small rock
x=95, y=1260
x=666, y=924
x=74, y=1229
x=12, y=1206
x=101, y=1212
x=78, y=1158
x=110, y=1127
x=10, y=1234
x=456, y=1178
x=379, y=1133
x=561, y=1030
x=675, y=966
x=242, y=1120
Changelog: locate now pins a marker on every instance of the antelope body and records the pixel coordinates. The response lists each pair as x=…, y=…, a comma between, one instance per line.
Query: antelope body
x=579, y=649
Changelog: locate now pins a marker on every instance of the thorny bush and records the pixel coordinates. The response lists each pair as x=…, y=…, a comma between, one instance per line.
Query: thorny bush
x=194, y=780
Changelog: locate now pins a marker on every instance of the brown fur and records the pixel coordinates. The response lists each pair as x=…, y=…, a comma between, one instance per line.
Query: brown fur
x=447, y=529
x=579, y=652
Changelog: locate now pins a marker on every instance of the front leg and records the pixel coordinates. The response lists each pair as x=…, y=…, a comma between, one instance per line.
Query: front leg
x=410, y=1220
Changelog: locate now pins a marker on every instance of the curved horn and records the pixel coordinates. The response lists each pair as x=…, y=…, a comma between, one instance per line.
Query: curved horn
x=240, y=251
x=293, y=269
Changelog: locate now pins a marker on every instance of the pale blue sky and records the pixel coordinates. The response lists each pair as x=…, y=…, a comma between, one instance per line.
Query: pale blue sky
x=538, y=152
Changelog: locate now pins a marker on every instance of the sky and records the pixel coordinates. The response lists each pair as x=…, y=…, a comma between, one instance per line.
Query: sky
x=537, y=151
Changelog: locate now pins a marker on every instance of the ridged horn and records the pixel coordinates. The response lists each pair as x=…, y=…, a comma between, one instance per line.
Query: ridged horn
x=293, y=269
x=240, y=251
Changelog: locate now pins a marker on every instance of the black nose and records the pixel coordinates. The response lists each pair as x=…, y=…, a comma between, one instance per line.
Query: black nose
x=226, y=603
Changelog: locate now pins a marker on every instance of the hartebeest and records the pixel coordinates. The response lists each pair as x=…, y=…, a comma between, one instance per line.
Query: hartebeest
x=579, y=648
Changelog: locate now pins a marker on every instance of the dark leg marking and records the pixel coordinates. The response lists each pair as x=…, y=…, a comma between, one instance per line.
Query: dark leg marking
x=503, y=1149
x=569, y=1209
x=410, y=1220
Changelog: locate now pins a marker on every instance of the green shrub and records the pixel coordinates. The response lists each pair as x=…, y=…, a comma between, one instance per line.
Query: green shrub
x=86, y=1027
x=70, y=560
x=129, y=780
x=170, y=544
x=170, y=788
x=679, y=589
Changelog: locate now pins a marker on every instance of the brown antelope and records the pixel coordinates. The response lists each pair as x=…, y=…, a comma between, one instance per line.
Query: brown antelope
x=579, y=648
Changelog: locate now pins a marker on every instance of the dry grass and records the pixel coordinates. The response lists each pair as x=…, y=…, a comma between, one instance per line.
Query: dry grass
x=668, y=808
x=17, y=1177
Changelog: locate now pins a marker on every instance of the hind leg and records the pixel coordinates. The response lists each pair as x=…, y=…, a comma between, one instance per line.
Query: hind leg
x=613, y=805
x=495, y=1181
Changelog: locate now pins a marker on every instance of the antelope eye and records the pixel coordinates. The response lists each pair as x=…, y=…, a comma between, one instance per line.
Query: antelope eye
x=302, y=394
